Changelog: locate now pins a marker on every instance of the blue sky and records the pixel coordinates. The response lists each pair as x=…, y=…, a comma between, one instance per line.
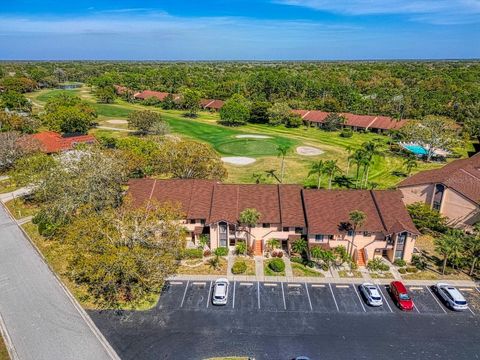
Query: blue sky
x=239, y=29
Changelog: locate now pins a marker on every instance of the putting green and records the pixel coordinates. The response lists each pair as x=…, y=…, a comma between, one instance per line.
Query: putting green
x=248, y=147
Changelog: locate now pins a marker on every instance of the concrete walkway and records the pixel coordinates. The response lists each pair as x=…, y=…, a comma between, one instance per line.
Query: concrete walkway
x=40, y=318
x=288, y=267
x=14, y=194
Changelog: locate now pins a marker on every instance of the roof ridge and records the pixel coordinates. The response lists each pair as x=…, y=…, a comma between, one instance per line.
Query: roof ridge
x=377, y=207
x=469, y=173
x=280, y=204
x=211, y=202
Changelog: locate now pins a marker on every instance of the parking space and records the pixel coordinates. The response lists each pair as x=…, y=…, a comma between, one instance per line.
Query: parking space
x=426, y=302
x=347, y=298
x=321, y=298
x=302, y=297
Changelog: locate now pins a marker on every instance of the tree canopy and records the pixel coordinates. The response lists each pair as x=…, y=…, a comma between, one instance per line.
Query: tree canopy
x=235, y=111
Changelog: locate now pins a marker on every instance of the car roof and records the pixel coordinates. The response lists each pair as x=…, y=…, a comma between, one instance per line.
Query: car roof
x=220, y=288
x=399, y=286
x=454, y=293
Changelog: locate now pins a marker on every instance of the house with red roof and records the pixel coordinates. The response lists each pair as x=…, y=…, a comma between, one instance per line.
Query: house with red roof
x=211, y=104
x=453, y=190
x=287, y=213
x=52, y=142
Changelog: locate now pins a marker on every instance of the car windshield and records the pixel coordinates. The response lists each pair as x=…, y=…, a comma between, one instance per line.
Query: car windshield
x=219, y=297
x=403, y=296
x=376, y=298
x=461, y=302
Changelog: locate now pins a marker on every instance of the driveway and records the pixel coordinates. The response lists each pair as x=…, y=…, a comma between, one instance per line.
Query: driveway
x=275, y=320
x=43, y=322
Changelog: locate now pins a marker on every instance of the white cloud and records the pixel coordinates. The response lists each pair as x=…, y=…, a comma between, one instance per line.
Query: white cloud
x=430, y=11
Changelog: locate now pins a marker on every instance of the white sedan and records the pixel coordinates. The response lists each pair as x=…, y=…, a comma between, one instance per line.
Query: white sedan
x=220, y=292
x=371, y=294
x=451, y=296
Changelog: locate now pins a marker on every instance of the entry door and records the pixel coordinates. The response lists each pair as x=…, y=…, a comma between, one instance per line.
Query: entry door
x=223, y=230
x=400, y=249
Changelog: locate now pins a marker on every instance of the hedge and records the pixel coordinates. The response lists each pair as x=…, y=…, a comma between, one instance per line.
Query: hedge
x=239, y=267
x=276, y=265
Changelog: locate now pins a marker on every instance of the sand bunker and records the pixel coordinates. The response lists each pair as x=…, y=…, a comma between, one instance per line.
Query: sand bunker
x=238, y=160
x=117, y=121
x=252, y=136
x=309, y=151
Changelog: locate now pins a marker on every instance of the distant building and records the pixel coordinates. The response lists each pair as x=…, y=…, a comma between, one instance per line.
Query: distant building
x=52, y=142
x=453, y=190
x=211, y=104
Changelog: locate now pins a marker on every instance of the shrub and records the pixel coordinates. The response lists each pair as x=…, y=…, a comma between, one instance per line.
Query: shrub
x=221, y=251
x=241, y=248
x=426, y=218
x=276, y=265
x=192, y=253
x=346, y=133
x=399, y=262
x=402, y=271
x=411, y=269
x=419, y=262
x=239, y=267
x=296, y=259
x=353, y=265
x=277, y=253
x=377, y=265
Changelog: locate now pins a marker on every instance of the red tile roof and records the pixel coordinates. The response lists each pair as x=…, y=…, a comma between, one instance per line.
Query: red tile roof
x=212, y=104
x=52, y=142
x=463, y=176
x=327, y=211
x=149, y=94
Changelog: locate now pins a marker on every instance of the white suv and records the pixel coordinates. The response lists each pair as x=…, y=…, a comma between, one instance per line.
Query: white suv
x=371, y=294
x=451, y=296
x=220, y=292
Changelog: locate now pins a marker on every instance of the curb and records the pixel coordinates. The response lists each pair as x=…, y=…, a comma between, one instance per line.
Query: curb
x=108, y=348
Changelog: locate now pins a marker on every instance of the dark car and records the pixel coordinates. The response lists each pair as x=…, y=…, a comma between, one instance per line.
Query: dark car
x=401, y=296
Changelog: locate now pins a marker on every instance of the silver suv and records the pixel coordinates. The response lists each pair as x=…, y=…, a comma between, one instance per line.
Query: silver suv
x=451, y=296
x=220, y=292
x=371, y=294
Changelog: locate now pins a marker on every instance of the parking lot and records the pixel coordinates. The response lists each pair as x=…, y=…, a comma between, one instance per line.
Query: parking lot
x=305, y=297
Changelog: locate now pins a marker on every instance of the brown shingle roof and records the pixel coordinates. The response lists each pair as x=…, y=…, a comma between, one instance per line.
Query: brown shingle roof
x=212, y=104
x=291, y=205
x=462, y=176
x=149, y=93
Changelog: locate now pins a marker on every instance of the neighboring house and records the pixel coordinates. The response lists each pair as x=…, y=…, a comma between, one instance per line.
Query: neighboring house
x=453, y=190
x=143, y=95
x=211, y=104
x=288, y=213
x=356, y=122
x=120, y=90
x=52, y=142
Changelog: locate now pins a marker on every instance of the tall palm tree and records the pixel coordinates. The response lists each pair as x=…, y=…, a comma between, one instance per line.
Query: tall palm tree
x=349, y=151
x=317, y=168
x=272, y=173
x=371, y=149
x=249, y=218
x=449, y=246
x=472, y=247
x=331, y=168
x=410, y=163
x=282, y=151
x=358, y=158
x=357, y=219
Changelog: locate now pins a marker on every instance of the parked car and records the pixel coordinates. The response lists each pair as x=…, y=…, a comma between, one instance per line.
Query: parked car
x=371, y=294
x=220, y=292
x=451, y=296
x=401, y=296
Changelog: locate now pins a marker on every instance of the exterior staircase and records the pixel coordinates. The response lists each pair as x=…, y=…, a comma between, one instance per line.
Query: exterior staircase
x=361, y=258
x=258, y=249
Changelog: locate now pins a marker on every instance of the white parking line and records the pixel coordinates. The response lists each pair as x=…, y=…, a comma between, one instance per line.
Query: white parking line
x=199, y=283
x=269, y=284
x=209, y=292
x=184, y=293
x=416, y=288
x=246, y=284
x=477, y=289
x=342, y=286
x=294, y=285
x=436, y=300
x=465, y=289
x=384, y=298
x=283, y=295
x=359, y=298
x=318, y=285
x=233, y=301
x=176, y=283
x=308, y=295
x=415, y=306
x=335, y=300
x=468, y=307
x=258, y=293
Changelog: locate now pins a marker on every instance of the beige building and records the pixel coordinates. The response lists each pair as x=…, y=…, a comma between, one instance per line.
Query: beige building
x=453, y=190
x=287, y=213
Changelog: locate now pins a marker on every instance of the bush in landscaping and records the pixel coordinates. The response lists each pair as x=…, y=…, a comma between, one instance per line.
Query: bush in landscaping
x=276, y=265
x=411, y=269
x=399, y=262
x=377, y=265
x=427, y=219
x=346, y=133
x=241, y=248
x=277, y=253
x=402, y=271
x=296, y=259
x=419, y=261
x=239, y=267
x=221, y=251
x=192, y=254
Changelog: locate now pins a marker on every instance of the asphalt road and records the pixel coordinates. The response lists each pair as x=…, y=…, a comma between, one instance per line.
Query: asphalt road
x=281, y=321
x=42, y=321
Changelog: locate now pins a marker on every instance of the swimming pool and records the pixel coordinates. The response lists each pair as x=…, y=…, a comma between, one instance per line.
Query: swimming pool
x=416, y=149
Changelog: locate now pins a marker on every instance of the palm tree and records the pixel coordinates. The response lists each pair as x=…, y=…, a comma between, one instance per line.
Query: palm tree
x=273, y=244
x=328, y=258
x=282, y=151
x=358, y=158
x=357, y=219
x=331, y=168
x=349, y=151
x=316, y=253
x=249, y=218
x=371, y=149
x=449, y=245
x=317, y=168
x=300, y=246
x=410, y=163
x=472, y=247
x=258, y=177
x=272, y=173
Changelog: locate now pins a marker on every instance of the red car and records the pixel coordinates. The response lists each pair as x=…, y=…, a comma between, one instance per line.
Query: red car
x=401, y=296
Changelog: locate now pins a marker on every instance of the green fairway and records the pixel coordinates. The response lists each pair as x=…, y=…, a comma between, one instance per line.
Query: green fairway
x=47, y=94
x=111, y=110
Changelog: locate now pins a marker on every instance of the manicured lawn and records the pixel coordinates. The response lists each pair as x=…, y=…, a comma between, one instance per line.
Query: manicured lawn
x=304, y=271
x=383, y=275
x=204, y=269
x=111, y=110
x=250, y=265
x=349, y=274
x=21, y=208
x=3, y=350
x=269, y=272
x=44, y=95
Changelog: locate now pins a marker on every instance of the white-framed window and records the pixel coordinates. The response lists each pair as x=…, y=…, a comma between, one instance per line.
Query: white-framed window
x=319, y=237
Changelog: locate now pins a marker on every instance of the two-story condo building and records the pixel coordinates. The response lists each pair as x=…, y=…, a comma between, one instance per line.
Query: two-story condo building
x=287, y=213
